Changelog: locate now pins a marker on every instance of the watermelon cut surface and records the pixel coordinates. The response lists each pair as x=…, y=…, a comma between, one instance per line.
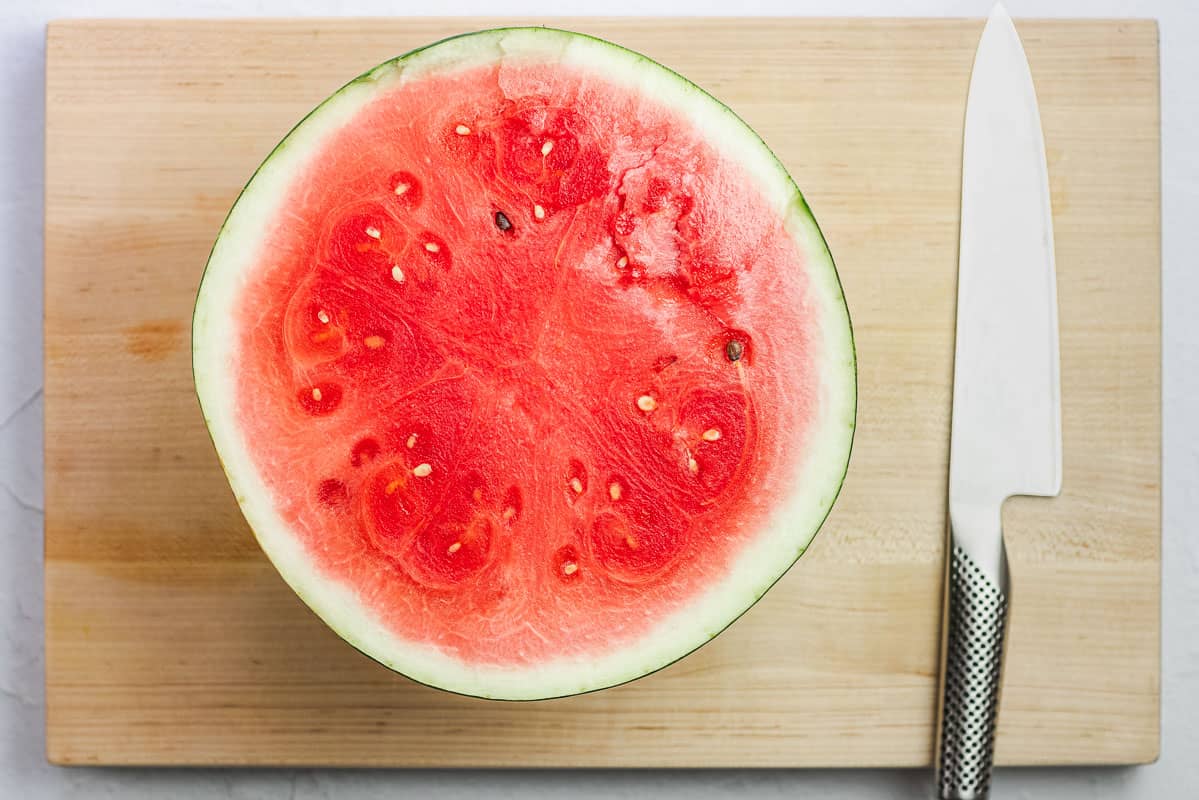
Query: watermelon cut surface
x=527, y=363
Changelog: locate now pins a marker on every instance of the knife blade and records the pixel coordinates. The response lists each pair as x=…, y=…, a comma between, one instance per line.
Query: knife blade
x=1005, y=436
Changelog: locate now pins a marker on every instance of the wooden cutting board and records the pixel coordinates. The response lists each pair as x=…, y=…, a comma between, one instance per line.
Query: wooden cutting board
x=171, y=640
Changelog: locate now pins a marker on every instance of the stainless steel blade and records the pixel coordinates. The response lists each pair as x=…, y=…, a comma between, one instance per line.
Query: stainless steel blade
x=1006, y=429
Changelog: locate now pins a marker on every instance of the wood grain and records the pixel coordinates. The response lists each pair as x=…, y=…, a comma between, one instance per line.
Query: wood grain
x=169, y=638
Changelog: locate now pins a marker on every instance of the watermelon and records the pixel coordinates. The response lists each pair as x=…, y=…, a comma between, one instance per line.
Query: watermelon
x=527, y=363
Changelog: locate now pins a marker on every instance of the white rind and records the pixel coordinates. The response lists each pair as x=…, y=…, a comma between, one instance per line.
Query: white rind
x=760, y=564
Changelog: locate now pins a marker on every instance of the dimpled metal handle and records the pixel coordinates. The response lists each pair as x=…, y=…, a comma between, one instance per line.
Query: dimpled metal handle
x=977, y=618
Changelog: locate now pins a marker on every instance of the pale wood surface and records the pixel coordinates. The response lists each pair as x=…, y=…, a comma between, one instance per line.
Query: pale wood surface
x=170, y=639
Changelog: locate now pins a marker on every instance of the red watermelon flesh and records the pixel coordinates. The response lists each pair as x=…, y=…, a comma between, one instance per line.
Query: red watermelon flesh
x=525, y=362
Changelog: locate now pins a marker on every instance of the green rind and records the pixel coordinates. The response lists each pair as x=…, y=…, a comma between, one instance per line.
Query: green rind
x=813, y=236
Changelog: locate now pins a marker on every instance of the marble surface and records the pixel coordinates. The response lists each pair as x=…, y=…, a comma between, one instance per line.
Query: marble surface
x=23, y=767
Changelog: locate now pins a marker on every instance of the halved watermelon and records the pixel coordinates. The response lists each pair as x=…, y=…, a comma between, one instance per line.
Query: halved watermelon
x=527, y=363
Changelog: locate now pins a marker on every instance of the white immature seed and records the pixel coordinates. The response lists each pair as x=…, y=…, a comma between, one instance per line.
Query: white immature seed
x=397, y=274
x=539, y=212
x=547, y=147
x=373, y=342
x=316, y=394
x=614, y=491
x=402, y=187
x=373, y=232
x=411, y=443
x=454, y=548
x=570, y=568
x=692, y=464
x=462, y=130
x=422, y=470
x=646, y=403
x=432, y=247
x=577, y=485
x=623, y=262
x=323, y=316
x=711, y=435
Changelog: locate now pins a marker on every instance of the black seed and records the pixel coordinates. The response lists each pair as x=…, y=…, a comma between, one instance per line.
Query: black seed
x=502, y=222
x=734, y=350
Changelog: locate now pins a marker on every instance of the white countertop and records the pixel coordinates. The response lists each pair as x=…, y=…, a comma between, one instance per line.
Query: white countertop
x=24, y=772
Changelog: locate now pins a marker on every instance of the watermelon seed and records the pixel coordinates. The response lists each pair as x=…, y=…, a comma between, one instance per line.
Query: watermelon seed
x=614, y=491
x=646, y=403
x=547, y=147
x=538, y=212
x=432, y=247
x=323, y=316
x=576, y=480
x=664, y=362
x=391, y=487
x=373, y=342
x=570, y=568
x=631, y=542
x=373, y=232
x=692, y=464
x=323, y=398
x=512, y=503
x=363, y=452
x=454, y=548
x=397, y=274
x=734, y=350
x=477, y=494
x=711, y=435
x=502, y=222
x=462, y=130
x=623, y=262
x=411, y=443
x=332, y=492
x=422, y=470
x=401, y=188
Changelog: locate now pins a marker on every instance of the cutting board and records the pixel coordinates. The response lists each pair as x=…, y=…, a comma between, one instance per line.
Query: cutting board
x=171, y=640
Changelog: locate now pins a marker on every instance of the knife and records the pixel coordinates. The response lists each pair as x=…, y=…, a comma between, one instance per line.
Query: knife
x=1005, y=436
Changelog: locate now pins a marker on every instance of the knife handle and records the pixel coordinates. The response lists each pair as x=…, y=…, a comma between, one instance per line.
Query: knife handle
x=976, y=621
